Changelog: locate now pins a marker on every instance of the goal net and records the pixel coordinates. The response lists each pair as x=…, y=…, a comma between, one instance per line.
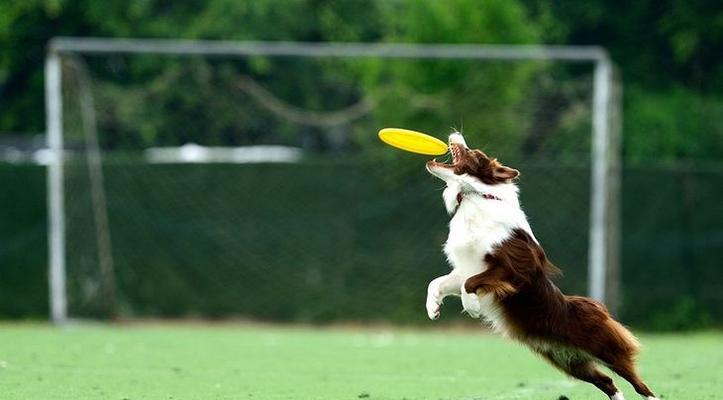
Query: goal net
x=245, y=180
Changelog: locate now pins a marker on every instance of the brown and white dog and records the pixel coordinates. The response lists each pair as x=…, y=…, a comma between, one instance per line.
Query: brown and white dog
x=502, y=274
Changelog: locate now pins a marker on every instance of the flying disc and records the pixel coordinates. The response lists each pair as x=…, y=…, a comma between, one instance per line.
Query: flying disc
x=415, y=142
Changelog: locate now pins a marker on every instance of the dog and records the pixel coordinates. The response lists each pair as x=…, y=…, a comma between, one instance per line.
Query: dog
x=501, y=274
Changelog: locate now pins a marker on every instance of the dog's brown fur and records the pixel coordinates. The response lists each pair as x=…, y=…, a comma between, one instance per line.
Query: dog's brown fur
x=476, y=163
x=571, y=332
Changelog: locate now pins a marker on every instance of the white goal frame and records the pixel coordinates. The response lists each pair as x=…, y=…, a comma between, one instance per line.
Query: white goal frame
x=605, y=177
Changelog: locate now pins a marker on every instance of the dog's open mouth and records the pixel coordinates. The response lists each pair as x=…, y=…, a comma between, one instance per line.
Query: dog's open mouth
x=455, y=150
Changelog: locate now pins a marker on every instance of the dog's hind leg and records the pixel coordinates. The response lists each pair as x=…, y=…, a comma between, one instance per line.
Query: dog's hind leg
x=626, y=370
x=585, y=370
x=588, y=372
x=618, y=353
x=438, y=289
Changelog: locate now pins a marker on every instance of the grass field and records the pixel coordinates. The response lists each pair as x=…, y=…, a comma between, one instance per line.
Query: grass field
x=260, y=362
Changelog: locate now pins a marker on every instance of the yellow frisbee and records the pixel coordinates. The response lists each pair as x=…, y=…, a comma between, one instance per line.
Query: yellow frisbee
x=415, y=142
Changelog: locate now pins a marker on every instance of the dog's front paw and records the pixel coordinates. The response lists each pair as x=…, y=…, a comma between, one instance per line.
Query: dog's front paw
x=432, y=309
x=471, y=304
x=433, y=301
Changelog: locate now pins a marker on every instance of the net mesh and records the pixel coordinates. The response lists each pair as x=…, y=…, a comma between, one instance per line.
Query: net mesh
x=349, y=230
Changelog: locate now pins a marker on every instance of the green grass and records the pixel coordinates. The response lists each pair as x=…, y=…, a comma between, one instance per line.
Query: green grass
x=266, y=363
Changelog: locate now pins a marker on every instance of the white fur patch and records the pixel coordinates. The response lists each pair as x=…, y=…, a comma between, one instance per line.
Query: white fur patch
x=617, y=396
x=492, y=313
x=471, y=304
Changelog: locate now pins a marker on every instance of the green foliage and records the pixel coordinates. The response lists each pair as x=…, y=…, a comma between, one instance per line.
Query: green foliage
x=656, y=43
x=437, y=95
x=672, y=124
x=147, y=101
x=26, y=26
x=668, y=52
x=458, y=21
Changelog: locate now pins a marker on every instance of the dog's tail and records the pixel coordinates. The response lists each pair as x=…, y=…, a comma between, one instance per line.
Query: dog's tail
x=624, y=337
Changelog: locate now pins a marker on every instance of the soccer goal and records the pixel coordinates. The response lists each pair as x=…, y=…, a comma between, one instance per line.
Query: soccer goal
x=244, y=179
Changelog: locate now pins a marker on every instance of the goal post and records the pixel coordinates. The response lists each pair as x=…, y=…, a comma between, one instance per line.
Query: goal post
x=56, y=198
x=602, y=263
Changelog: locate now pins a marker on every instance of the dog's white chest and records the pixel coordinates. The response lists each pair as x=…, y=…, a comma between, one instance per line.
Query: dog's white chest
x=471, y=236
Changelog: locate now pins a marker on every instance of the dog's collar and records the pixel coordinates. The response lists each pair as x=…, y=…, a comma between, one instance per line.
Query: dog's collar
x=460, y=197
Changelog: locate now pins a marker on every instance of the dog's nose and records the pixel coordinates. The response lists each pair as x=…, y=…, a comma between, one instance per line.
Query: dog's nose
x=457, y=138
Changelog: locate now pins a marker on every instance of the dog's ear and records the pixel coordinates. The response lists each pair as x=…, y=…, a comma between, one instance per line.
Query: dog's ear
x=505, y=173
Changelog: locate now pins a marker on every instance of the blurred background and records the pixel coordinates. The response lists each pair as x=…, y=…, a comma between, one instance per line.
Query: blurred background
x=255, y=188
